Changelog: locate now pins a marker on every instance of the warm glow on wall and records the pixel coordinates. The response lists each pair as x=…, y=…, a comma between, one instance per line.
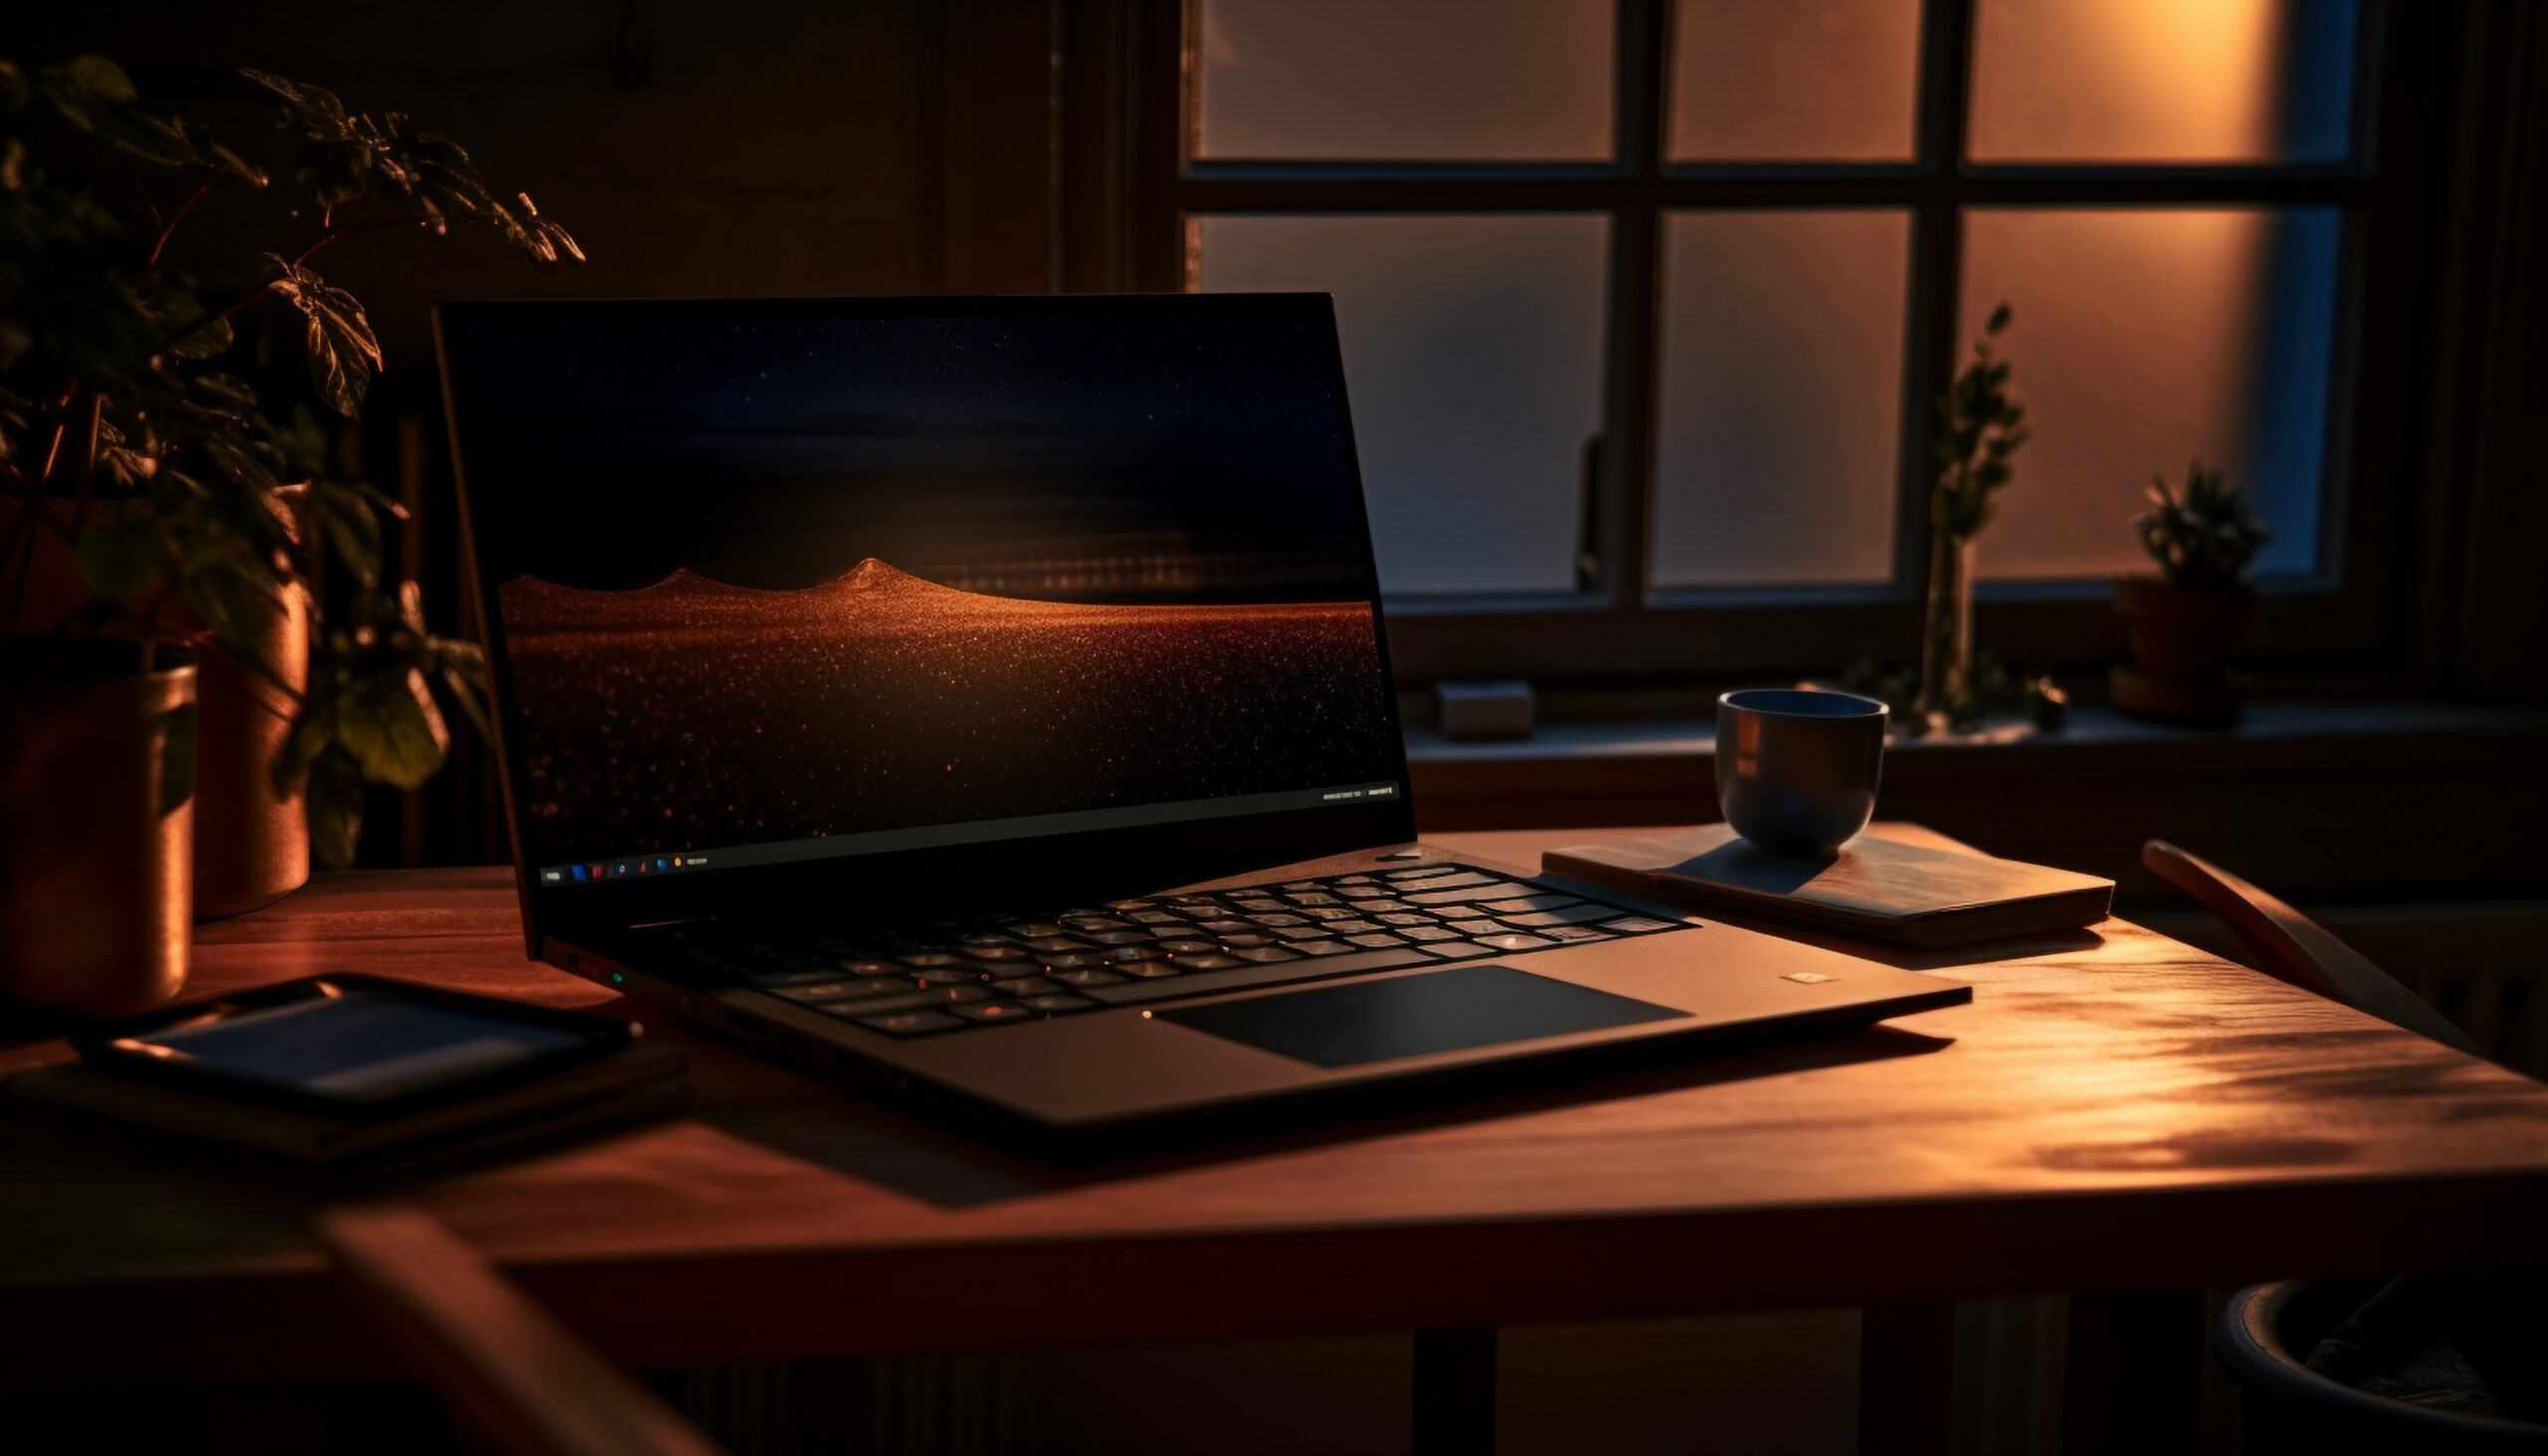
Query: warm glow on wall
x=2157, y=81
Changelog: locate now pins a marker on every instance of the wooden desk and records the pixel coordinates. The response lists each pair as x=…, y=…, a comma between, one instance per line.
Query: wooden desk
x=2114, y=1112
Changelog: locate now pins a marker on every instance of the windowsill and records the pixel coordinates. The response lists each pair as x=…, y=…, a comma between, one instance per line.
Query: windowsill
x=2267, y=724
x=2341, y=800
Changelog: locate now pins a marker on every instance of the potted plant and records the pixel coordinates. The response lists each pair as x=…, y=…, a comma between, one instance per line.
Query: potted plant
x=2183, y=624
x=163, y=497
x=1979, y=431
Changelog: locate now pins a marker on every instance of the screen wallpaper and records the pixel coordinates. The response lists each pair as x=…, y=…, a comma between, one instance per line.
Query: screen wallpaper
x=771, y=576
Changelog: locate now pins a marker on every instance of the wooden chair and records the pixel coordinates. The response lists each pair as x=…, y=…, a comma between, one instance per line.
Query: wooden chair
x=503, y=1366
x=2290, y=946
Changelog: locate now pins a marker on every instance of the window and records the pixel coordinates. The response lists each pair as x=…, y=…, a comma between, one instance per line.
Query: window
x=1645, y=305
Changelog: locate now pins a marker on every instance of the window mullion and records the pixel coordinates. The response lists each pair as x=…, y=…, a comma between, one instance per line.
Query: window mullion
x=1937, y=257
x=1625, y=479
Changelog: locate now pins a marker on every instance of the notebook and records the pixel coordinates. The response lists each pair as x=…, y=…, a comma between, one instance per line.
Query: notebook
x=984, y=701
x=1874, y=887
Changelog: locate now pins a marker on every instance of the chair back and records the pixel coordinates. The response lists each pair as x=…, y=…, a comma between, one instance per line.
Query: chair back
x=503, y=1367
x=2292, y=947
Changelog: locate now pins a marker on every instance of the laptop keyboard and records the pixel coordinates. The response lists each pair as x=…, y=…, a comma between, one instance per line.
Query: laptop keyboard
x=958, y=975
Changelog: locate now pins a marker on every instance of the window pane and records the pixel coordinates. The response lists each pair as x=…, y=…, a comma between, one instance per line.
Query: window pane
x=1473, y=357
x=1779, y=408
x=1818, y=80
x=1406, y=81
x=2161, y=80
x=2145, y=339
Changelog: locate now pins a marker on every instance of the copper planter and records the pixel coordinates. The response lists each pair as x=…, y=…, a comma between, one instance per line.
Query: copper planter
x=96, y=826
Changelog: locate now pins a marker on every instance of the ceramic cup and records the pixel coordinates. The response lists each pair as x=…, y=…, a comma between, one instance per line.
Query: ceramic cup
x=1796, y=770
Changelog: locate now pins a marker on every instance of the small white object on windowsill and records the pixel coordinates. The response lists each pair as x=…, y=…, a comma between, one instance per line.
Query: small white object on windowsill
x=1471, y=711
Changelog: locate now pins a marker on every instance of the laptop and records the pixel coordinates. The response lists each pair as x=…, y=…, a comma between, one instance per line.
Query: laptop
x=986, y=700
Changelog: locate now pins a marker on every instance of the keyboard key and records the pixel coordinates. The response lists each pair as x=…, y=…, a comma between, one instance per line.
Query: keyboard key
x=812, y=976
x=872, y=967
x=1027, y=986
x=947, y=975
x=1331, y=911
x=1133, y=953
x=1312, y=897
x=1051, y=945
x=1460, y=895
x=820, y=992
x=1527, y=903
x=1306, y=932
x=1456, y=950
x=1361, y=892
x=1577, y=916
x=1460, y=912
x=986, y=1012
x=910, y=1023
x=1153, y=918
x=1575, y=933
x=1188, y=948
x=1095, y=923
x=926, y=959
x=1090, y=976
x=1061, y=1004
x=1245, y=937
x=1428, y=933
x=1374, y=941
x=1148, y=969
x=1638, y=926
x=1119, y=904
x=1278, y=921
x=1261, y=953
x=1321, y=948
x=1074, y=960
x=1208, y=961
x=1121, y=937
x=866, y=1006
x=1312, y=885
x=1226, y=928
x=1418, y=872
x=1032, y=930
x=997, y=952
x=1405, y=918
x=1512, y=941
x=1459, y=879
x=1352, y=880
x=1348, y=928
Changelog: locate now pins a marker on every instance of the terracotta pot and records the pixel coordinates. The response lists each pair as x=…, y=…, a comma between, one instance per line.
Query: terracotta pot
x=2182, y=631
x=2182, y=640
x=250, y=848
x=96, y=826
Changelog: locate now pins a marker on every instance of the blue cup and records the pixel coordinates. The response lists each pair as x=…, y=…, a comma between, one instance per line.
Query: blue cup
x=1796, y=770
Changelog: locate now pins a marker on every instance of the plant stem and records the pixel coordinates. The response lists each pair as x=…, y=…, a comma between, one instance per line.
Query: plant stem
x=170, y=230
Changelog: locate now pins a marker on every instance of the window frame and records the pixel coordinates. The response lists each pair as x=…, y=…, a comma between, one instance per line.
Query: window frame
x=2344, y=618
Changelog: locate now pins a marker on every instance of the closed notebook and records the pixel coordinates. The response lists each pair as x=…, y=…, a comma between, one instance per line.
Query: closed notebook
x=1875, y=889
x=640, y=1080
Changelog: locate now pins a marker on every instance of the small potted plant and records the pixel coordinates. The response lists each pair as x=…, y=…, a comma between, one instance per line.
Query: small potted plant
x=1979, y=427
x=2183, y=624
x=167, y=505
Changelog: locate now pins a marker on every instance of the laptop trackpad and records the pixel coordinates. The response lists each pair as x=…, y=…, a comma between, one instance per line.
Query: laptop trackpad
x=1416, y=1015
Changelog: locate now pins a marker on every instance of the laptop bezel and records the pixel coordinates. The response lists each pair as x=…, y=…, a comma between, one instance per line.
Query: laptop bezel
x=1025, y=872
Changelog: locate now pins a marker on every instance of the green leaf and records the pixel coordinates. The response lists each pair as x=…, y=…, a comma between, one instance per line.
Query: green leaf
x=122, y=559
x=332, y=802
x=1998, y=319
x=351, y=527
x=344, y=354
x=391, y=727
x=97, y=78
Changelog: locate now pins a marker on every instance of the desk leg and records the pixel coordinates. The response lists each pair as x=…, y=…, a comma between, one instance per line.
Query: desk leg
x=1906, y=1378
x=2132, y=1376
x=1454, y=1393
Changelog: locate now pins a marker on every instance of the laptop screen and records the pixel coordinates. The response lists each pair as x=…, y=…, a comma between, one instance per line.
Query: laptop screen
x=790, y=581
